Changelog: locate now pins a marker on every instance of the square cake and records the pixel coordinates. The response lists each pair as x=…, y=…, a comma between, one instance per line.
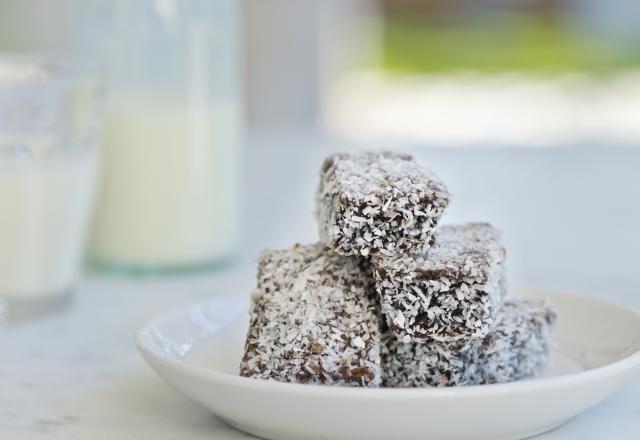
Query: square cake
x=378, y=203
x=517, y=348
x=453, y=292
x=314, y=319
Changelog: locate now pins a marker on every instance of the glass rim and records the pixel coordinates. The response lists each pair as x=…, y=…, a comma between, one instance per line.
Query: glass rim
x=33, y=70
x=35, y=90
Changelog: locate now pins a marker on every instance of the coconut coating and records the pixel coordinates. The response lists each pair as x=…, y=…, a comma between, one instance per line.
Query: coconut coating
x=453, y=292
x=517, y=348
x=314, y=319
x=378, y=203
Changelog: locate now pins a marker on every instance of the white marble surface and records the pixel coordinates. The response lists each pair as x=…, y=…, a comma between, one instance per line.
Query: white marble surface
x=570, y=219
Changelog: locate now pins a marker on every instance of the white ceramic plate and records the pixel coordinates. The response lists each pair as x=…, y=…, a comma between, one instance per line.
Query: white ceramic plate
x=198, y=351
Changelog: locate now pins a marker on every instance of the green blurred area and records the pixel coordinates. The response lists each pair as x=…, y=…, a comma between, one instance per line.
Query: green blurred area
x=498, y=43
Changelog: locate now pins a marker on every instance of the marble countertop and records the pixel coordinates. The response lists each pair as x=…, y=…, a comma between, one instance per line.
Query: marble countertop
x=570, y=220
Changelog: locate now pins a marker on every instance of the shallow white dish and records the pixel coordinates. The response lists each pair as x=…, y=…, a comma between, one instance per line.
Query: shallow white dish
x=198, y=350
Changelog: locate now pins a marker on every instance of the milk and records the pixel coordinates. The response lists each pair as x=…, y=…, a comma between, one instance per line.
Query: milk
x=45, y=205
x=168, y=195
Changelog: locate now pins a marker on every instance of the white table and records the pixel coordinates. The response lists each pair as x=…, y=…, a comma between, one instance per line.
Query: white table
x=570, y=218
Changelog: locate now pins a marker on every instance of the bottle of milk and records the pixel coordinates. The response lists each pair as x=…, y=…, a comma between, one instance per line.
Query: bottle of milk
x=168, y=195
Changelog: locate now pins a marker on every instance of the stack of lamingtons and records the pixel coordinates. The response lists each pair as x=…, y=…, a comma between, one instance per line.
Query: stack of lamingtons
x=389, y=297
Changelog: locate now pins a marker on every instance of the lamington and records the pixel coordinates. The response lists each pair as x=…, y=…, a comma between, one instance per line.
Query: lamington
x=314, y=319
x=378, y=203
x=517, y=348
x=453, y=292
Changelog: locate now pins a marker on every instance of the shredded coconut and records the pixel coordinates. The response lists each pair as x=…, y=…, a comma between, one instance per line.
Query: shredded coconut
x=454, y=291
x=378, y=203
x=314, y=319
x=517, y=348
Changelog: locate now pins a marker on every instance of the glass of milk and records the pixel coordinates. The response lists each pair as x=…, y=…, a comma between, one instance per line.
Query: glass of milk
x=168, y=195
x=48, y=133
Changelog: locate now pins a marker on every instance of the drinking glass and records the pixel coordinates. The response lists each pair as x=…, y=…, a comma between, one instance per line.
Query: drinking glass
x=49, y=127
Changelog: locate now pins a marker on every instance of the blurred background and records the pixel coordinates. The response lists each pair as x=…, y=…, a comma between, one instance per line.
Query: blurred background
x=525, y=72
x=216, y=118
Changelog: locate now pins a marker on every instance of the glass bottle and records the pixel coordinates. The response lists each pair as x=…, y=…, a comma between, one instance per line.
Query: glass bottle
x=169, y=190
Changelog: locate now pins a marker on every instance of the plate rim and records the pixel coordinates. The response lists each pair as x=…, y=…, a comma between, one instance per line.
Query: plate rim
x=620, y=367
